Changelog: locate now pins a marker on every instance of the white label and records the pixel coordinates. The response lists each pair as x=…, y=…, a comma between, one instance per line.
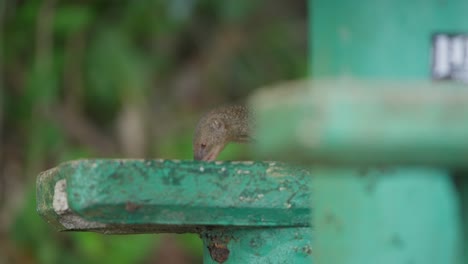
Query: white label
x=450, y=57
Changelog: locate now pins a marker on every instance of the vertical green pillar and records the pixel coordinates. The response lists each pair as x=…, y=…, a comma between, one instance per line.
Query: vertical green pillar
x=387, y=39
x=401, y=215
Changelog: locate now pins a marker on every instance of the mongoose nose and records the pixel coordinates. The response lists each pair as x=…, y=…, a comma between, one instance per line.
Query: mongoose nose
x=198, y=154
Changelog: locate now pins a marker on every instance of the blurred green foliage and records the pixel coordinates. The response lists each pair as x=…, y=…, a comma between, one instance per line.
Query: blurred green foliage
x=83, y=79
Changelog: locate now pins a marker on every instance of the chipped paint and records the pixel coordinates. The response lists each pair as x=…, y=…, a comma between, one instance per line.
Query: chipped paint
x=66, y=217
x=60, y=203
x=276, y=172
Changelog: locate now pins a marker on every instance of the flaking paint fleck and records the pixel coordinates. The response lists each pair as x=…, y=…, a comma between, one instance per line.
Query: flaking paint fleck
x=275, y=172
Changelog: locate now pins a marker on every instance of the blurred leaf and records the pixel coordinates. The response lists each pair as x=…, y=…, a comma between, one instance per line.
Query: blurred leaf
x=105, y=75
x=125, y=249
x=236, y=11
x=192, y=243
x=70, y=19
x=75, y=152
x=115, y=69
x=27, y=13
x=176, y=146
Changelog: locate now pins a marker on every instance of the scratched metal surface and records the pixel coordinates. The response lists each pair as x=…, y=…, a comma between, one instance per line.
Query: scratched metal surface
x=258, y=245
x=386, y=216
x=140, y=196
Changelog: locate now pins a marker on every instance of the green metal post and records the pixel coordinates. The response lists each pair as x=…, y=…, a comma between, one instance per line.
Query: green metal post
x=385, y=216
x=410, y=215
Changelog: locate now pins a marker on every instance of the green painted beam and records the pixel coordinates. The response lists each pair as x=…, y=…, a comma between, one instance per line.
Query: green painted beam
x=142, y=196
x=363, y=122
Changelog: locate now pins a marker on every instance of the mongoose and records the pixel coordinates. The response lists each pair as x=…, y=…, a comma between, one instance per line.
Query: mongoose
x=218, y=127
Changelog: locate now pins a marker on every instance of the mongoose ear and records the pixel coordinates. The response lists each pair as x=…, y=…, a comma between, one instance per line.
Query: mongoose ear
x=217, y=124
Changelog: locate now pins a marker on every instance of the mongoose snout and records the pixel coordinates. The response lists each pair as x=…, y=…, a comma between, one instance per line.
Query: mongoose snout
x=219, y=127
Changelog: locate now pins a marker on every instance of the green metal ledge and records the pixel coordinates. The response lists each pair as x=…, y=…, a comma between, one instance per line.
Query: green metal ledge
x=357, y=122
x=154, y=196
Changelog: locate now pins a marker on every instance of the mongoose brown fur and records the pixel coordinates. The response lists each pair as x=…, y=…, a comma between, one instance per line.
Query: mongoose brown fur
x=218, y=127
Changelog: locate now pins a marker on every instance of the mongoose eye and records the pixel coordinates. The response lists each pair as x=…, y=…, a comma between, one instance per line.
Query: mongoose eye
x=203, y=145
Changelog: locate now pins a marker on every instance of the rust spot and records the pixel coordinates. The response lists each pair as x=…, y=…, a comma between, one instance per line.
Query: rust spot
x=218, y=250
x=131, y=207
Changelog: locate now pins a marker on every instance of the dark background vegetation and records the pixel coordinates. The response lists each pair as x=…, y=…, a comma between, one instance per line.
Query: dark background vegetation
x=126, y=79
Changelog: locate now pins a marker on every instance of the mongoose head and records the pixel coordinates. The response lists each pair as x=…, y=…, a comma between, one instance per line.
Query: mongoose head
x=211, y=136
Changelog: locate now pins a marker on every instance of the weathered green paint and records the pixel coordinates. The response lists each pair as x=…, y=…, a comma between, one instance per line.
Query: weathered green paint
x=257, y=212
x=364, y=122
x=386, y=215
x=258, y=245
x=182, y=194
x=387, y=39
